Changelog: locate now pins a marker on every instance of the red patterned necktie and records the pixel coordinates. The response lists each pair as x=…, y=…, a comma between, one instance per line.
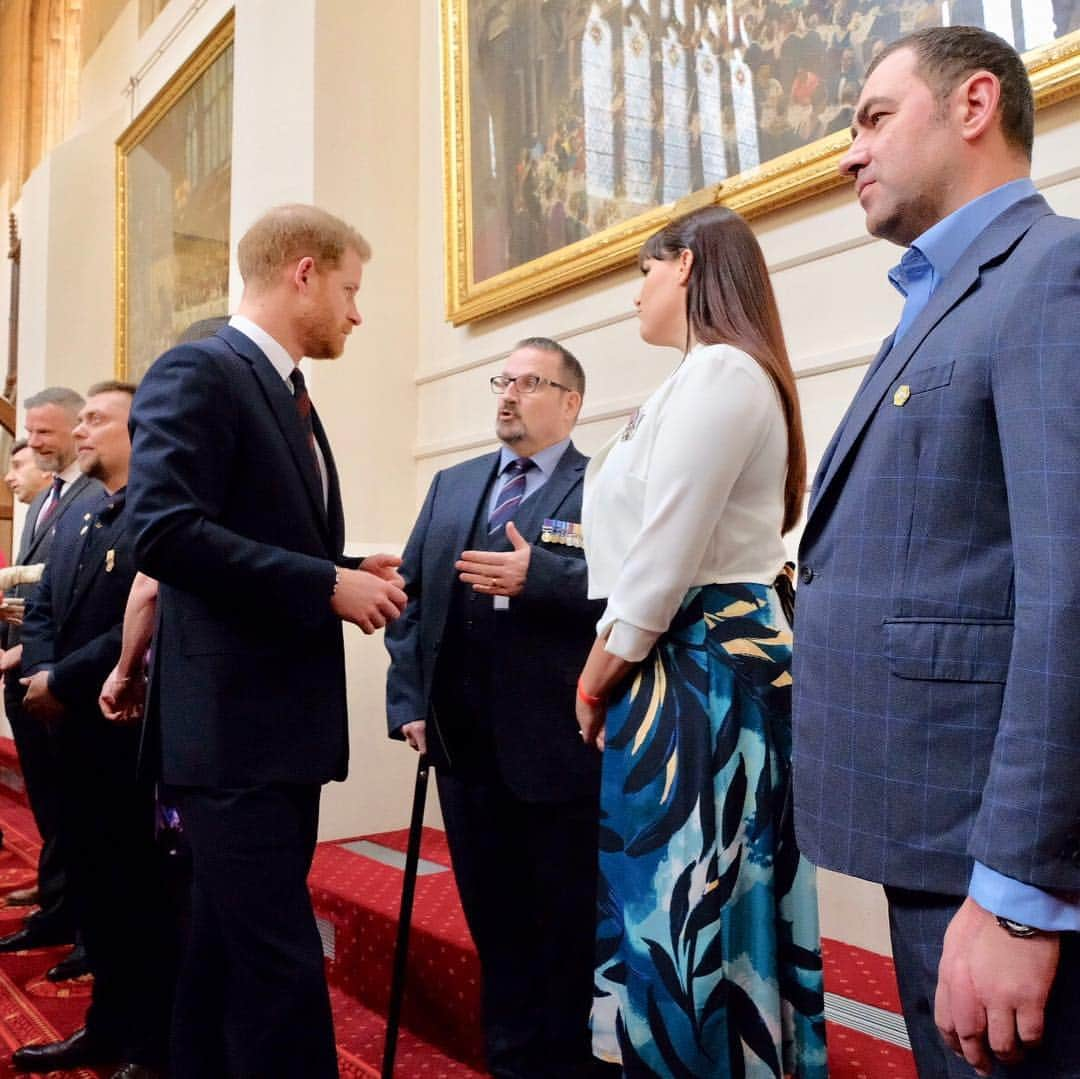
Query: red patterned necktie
x=511, y=493
x=302, y=400
x=48, y=511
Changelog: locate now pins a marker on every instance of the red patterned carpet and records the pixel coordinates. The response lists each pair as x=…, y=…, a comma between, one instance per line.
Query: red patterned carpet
x=356, y=887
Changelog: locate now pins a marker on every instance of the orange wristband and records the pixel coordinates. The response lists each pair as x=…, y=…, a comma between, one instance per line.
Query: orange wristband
x=588, y=698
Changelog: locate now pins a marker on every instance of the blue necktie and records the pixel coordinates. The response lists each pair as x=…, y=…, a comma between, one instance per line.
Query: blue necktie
x=511, y=493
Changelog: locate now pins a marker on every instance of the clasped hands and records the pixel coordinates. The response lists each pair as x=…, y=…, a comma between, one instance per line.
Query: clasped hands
x=372, y=595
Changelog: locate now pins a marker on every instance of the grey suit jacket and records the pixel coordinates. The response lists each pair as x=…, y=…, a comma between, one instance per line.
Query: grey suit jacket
x=937, y=689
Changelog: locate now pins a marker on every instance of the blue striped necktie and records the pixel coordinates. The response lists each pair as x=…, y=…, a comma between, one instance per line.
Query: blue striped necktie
x=511, y=493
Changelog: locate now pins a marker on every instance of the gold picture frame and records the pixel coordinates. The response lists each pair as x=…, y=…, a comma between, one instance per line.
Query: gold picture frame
x=173, y=169
x=781, y=181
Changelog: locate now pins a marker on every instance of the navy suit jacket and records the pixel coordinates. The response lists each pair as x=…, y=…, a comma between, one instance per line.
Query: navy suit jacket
x=84, y=492
x=937, y=689
x=543, y=640
x=248, y=683
x=74, y=617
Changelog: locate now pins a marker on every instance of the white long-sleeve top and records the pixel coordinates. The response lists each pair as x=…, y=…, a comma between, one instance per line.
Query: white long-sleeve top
x=690, y=493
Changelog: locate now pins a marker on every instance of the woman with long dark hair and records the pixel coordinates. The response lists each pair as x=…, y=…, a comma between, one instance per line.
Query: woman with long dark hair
x=709, y=961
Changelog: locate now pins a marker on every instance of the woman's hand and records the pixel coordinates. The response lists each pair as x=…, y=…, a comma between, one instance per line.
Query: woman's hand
x=591, y=719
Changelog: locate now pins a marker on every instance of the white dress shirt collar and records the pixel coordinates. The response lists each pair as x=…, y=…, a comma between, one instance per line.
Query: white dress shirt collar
x=273, y=350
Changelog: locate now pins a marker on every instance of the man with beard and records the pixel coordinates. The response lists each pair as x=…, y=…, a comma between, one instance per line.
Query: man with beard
x=51, y=416
x=71, y=640
x=236, y=510
x=483, y=668
x=937, y=701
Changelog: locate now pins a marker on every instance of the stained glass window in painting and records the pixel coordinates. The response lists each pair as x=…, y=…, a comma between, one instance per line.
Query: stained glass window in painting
x=637, y=113
x=676, y=118
x=597, y=83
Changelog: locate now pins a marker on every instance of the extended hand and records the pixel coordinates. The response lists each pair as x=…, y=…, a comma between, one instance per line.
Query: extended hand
x=416, y=735
x=122, y=699
x=992, y=988
x=39, y=700
x=366, y=600
x=384, y=566
x=497, y=573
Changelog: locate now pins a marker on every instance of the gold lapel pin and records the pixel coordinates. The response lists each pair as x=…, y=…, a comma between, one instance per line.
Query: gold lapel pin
x=110, y=559
x=900, y=398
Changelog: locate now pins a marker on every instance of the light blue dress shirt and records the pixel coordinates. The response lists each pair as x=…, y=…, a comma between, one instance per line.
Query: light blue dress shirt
x=546, y=461
x=926, y=263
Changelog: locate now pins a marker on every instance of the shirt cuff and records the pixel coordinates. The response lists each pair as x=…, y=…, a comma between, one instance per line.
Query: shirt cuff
x=630, y=642
x=1023, y=903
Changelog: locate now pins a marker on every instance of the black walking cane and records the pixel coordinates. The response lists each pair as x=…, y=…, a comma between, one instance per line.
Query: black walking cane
x=408, y=891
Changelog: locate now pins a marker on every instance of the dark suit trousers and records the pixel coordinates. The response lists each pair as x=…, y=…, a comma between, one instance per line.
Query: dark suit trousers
x=252, y=1001
x=41, y=774
x=116, y=881
x=526, y=873
x=917, y=921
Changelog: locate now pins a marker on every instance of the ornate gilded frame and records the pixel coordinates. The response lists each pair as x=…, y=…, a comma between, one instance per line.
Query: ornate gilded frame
x=1055, y=76
x=220, y=38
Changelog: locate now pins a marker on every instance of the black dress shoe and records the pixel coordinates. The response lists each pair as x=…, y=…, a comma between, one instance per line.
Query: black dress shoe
x=81, y=1050
x=73, y=965
x=136, y=1071
x=32, y=936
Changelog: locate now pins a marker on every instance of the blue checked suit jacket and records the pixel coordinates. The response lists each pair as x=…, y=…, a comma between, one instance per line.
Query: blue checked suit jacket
x=937, y=678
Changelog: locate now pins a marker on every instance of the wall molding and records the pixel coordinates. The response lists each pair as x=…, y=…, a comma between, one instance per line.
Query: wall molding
x=842, y=359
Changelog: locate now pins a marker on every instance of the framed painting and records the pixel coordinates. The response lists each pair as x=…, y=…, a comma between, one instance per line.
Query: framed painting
x=574, y=128
x=174, y=168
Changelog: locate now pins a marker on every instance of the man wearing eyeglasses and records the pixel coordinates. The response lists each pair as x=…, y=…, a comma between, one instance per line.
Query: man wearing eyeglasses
x=484, y=662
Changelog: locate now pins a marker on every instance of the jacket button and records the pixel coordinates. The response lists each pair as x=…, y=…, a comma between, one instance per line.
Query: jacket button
x=806, y=574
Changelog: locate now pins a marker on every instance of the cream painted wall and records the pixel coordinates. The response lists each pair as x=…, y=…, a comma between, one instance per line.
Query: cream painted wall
x=339, y=102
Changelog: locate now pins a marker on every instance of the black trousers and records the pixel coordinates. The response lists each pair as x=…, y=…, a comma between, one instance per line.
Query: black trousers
x=526, y=873
x=917, y=921
x=116, y=880
x=252, y=1000
x=40, y=768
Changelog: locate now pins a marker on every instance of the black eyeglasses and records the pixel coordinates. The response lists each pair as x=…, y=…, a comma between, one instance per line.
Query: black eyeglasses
x=525, y=383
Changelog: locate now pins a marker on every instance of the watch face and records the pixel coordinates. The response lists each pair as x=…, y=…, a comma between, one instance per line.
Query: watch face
x=1017, y=929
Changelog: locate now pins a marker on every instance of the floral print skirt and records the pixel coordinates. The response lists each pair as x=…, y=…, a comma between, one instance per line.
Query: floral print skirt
x=708, y=952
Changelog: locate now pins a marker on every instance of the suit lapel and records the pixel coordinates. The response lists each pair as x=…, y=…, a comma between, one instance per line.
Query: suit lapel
x=992, y=244
x=80, y=587
x=28, y=542
x=544, y=503
x=333, y=509
x=283, y=407
x=75, y=488
x=475, y=483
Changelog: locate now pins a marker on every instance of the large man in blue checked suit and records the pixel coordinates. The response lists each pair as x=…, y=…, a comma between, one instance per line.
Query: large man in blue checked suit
x=484, y=663
x=937, y=690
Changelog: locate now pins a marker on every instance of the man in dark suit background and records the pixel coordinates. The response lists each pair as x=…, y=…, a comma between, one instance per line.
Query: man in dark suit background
x=71, y=640
x=51, y=416
x=483, y=668
x=937, y=694
x=236, y=510
x=23, y=478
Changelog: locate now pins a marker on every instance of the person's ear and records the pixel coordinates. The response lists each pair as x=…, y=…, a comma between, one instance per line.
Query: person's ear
x=303, y=271
x=686, y=264
x=976, y=102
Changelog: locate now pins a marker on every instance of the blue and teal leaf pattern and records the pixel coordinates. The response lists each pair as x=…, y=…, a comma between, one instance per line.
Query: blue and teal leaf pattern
x=709, y=961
